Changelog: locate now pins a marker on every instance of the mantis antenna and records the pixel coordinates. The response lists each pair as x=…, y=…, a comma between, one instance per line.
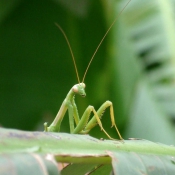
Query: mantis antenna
x=73, y=58
x=103, y=39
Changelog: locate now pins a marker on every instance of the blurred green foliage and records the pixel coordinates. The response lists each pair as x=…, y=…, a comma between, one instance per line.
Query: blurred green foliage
x=37, y=71
x=36, y=66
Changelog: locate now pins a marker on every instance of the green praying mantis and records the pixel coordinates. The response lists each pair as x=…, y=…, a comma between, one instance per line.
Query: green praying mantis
x=83, y=125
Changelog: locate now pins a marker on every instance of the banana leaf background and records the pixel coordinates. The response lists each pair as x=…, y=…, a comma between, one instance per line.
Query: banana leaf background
x=134, y=67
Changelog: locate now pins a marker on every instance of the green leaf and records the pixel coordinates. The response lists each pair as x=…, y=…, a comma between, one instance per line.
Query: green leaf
x=27, y=164
x=74, y=147
x=138, y=164
x=78, y=169
x=41, y=148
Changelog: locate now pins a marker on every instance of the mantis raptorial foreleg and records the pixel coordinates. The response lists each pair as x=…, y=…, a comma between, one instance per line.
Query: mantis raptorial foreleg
x=82, y=125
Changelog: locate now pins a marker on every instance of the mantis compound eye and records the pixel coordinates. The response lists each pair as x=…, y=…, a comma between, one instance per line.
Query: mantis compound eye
x=75, y=88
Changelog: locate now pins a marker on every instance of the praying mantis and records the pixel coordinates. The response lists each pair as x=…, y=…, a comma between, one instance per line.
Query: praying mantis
x=83, y=125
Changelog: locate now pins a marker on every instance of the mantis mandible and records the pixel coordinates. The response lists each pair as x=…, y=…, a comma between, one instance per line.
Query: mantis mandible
x=82, y=124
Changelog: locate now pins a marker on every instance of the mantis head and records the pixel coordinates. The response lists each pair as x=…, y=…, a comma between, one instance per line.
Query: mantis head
x=79, y=89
